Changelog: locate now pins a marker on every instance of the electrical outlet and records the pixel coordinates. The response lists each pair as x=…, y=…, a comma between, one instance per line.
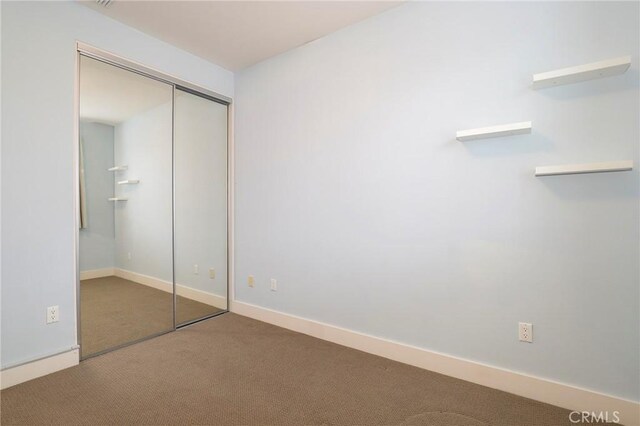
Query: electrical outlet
x=129, y=256
x=53, y=314
x=525, y=332
x=251, y=281
x=212, y=273
x=196, y=269
x=274, y=284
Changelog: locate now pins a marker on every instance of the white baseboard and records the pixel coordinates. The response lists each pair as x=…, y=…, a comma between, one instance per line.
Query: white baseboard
x=38, y=368
x=559, y=394
x=96, y=273
x=210, y=299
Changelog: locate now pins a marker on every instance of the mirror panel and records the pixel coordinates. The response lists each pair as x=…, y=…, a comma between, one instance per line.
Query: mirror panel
x=125, y=236
x=200, y=236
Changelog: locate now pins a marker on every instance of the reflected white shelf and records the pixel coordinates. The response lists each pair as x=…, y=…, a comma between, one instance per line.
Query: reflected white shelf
x=606, y=68
x=117, y=168
x=117, y=199
x=128, y=182
x=494, y=131
x=576, y=169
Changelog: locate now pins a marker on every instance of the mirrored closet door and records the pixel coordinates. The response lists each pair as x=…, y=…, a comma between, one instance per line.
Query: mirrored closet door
x=152, y=239
x=200, y=161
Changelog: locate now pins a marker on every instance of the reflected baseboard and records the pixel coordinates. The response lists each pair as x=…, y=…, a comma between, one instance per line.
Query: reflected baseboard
x=210, y=299
x=96, y=273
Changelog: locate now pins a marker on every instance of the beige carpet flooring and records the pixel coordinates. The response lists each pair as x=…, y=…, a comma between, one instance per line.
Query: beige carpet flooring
x=231, y=370
x=115, y=311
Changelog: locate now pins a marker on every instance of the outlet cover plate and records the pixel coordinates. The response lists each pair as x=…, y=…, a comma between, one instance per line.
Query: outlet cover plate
x=53, y=314
x=525, y=332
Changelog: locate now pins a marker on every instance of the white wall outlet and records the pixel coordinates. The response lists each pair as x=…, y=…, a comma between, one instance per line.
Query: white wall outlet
x=274, y=284
x=212, y=273
x=525, y=332
x=196, y=269
x=251, y=281
x=129, y=256
x=53, y=314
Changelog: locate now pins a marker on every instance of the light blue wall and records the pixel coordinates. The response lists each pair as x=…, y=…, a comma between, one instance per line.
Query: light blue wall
x=97, y=239
x=144, y=222
x=200, y=157
x=353, y=192
x=38, y=230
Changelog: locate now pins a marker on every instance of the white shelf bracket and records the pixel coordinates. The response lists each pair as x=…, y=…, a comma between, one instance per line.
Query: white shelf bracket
x=117, y=168
x=576, y=169
x=606, y=68
x=494, y=131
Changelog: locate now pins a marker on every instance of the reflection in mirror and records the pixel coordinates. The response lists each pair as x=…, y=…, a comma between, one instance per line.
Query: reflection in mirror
x=200, y=239
x=125, y=236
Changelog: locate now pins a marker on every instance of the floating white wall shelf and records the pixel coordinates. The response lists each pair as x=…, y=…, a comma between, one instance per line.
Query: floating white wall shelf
x=574, y=169
x=117, y=168
x=130, y=181
x=606, y=68
x=117, y=199
x=494, y=131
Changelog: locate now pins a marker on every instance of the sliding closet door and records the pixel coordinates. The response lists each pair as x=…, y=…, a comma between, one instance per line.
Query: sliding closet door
x=200, y=235
x=125, y=188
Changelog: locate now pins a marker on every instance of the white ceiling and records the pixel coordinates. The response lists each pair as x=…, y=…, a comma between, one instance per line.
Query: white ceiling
x=111, y=95
x=236, y=34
